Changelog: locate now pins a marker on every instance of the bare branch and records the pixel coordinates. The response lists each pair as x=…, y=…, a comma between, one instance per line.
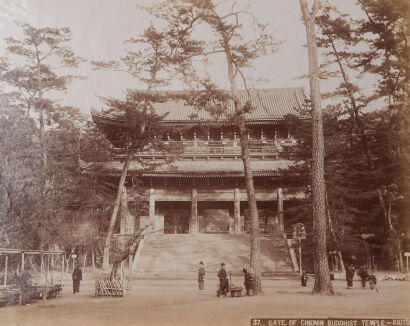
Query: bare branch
x=243, y=78
x=316, y=6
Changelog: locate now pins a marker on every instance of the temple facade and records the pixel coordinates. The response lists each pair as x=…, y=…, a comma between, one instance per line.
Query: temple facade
x=203, y=191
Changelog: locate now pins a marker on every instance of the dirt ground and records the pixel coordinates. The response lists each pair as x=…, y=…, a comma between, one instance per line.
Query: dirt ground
x=178, y=302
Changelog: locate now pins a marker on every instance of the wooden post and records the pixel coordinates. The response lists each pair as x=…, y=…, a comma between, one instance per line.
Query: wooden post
x=300, y=257
x=129, y=262
x=280, y=209
x=93, y=258
x=151, y=205
x=22, y=262
x=122, y=279
x=48, y=266
x=45, y=281
x=122, y=271
x=62, y=267
x=193, y=225
x=237, y=210
x=5, y=270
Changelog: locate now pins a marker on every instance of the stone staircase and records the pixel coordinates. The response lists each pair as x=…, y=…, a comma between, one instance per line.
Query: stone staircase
x=181, y=253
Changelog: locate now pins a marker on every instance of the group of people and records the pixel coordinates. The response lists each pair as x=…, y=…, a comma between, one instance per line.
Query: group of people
x=223, y=287
x=350, y=271
x=364, y=275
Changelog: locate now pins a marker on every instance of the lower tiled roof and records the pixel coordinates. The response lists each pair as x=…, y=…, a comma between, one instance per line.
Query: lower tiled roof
x=193, y=168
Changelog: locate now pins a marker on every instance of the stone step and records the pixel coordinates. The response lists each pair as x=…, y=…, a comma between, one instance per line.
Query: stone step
x=182, y=252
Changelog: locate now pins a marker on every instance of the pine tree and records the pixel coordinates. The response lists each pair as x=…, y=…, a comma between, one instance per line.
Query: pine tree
x=30, y=68
x=159, y=53
x=323, y=284
x=342, y=36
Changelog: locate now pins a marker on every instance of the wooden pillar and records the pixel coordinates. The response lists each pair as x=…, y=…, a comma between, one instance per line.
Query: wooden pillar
x=237, y=210
x=193, y=223
x=5, y=270
x=280, y=209
x=22, y=262
x=129, y=262
x=151, y=204
x=62, y=267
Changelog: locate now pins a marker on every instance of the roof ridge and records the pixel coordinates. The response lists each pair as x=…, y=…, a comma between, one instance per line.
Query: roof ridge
x=228, y=90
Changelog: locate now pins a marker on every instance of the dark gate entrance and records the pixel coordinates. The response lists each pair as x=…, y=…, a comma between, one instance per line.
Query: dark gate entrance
x=215, y=220
x=176, y=221
x=214, y=217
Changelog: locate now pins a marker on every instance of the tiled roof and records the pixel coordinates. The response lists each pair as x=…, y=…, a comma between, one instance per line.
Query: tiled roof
x=269, y=104
x=197, y=168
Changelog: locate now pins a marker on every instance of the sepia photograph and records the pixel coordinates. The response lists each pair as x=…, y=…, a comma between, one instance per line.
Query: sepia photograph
x=204, y=162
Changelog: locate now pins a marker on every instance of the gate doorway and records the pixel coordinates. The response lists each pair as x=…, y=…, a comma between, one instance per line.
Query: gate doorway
x=176, y=221
x=215, y=217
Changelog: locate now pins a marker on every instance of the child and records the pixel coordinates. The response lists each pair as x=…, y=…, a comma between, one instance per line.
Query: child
x=303, y=279
x=363, y=274
x=372, y=282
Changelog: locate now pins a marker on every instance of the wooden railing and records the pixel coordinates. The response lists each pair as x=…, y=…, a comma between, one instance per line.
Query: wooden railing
x=228, y=147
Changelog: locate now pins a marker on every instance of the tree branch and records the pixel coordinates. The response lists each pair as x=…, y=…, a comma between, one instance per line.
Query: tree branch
x=316, y=6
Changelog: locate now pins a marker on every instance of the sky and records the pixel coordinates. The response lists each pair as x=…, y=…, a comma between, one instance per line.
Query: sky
x=100, y=27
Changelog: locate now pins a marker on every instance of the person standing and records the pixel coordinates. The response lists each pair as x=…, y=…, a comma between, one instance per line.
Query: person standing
x=77, y=278
x=303, y=279
x=249, y=281
x=201, y=276
x=349, y=276
x=223, y=280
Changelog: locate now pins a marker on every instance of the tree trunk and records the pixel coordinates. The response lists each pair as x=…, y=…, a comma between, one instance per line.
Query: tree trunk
x=93, y=258
x=323, y=284
x=250, y=190
x=42, y=145
x=400, y=254
x=85, y=260
x=393, y=234
x=253, y=210
x=341, y=266
x=130, y=249
x=106, y=254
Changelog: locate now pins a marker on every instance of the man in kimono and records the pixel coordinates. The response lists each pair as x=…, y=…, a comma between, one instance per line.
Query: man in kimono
x=77, y=278
x=201, y=276
x=249, y=281
x=223, y=280
x=350, y=270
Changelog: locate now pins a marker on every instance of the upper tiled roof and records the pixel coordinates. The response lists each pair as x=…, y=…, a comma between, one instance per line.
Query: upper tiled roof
x=269, y=104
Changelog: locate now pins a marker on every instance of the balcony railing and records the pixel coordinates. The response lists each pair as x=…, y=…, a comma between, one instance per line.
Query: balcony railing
x=215, y=148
